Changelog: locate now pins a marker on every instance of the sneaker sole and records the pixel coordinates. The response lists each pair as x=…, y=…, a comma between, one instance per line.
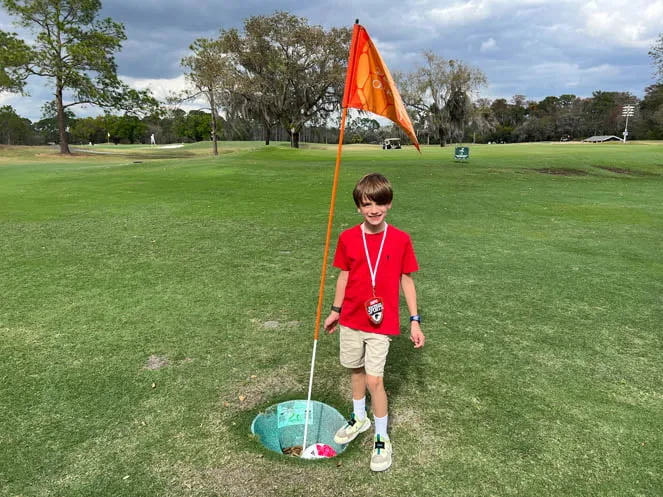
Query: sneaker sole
x=342, y=441
x=384, y=467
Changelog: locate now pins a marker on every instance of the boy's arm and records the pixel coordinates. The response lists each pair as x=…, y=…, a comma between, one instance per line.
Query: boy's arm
x=332, y=320
x=410, y=293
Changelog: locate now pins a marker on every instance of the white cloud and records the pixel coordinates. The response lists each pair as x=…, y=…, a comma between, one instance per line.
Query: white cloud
x=634, y=23
x=488, y=46
x=465, y=12
x=5, y=98
x=461, y=13
x=161, y=88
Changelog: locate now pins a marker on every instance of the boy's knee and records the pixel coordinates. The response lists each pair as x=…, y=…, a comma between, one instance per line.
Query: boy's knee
x=374, y=383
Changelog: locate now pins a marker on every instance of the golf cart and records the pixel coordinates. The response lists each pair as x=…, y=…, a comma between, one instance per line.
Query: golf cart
x=390, y=143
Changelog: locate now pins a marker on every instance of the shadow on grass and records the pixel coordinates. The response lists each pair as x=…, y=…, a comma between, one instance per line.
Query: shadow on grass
x=404, y=369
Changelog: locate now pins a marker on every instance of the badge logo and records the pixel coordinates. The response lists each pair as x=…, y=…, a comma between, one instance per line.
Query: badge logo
x=375, y=310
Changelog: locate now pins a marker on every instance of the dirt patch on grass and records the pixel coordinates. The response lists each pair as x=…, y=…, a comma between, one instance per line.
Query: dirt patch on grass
x=273, y=324
x=155, y=362
x=258, y=389
x=616, y=170
x=624, y=171
x=562, y=171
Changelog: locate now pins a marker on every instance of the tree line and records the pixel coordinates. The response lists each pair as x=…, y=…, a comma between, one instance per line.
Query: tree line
x=277, y=78
x=566, y=117
x=171, y=125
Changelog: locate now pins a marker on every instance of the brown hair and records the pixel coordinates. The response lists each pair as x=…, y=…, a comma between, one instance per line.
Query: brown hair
x=373, y=187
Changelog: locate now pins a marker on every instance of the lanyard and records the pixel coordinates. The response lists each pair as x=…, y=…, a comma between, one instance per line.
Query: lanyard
x=373, y=271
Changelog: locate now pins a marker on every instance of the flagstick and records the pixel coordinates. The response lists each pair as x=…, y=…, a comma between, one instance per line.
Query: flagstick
x=324, y=272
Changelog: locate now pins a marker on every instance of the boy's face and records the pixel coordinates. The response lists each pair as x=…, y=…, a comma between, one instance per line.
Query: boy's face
x=373, y=213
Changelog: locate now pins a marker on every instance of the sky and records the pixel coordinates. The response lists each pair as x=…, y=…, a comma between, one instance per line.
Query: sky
x=535, y=48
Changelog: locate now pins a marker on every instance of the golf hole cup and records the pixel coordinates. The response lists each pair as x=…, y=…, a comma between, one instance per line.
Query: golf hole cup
x=280, y=428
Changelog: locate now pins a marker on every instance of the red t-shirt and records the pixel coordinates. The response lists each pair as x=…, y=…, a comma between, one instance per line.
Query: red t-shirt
x=397, y=258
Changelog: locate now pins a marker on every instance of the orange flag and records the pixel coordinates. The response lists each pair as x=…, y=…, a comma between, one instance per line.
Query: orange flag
x=369, y=85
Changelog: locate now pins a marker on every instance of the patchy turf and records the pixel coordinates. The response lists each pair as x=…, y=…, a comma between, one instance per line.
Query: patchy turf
x=562, y=171
x=150, y=311
x=626, y=171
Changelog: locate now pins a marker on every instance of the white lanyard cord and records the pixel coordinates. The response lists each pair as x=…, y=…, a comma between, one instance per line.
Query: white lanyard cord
x=373, y=272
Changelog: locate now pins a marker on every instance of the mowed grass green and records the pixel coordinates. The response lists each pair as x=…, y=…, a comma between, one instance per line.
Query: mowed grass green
x=151, y=308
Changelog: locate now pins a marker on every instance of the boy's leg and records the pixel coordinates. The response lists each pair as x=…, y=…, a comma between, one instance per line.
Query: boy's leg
x=359, y=422
x=358, y=382
x=381, y=456
x=352, y=357
x=376, y=357
x=377, y=349
x=379, y=402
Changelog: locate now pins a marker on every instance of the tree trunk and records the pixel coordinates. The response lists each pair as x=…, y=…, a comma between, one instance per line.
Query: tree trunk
x=64, y=139
x=443, y=138
x=267, y=134
x=215, y=142
x=295, y=139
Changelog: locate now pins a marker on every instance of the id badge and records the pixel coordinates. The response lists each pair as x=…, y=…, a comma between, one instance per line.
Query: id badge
x=375, y=310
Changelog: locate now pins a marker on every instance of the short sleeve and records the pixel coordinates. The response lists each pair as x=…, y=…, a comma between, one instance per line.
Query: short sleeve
x=410, y=264
x=340, y=256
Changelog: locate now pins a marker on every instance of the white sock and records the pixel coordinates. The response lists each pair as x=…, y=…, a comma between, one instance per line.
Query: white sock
x=359, y=408
x=381, y=427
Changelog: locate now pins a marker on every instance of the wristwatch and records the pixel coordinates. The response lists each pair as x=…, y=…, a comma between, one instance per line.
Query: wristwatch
x=416, y=318
x=336, y=309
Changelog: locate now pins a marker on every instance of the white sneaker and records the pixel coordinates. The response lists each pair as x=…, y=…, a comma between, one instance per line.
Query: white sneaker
x=353, y=428
x=381, y=458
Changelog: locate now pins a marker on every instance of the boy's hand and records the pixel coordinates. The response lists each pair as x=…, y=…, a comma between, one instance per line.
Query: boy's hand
x=331, y=322
x=416, y=335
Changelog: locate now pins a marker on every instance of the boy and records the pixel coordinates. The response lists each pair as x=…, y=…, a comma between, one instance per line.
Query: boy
x=375, y=260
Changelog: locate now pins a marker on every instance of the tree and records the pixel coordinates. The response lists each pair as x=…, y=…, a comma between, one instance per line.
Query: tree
x=90, y=129
x=443, y=89
x=14, y=54
x=483, y=120
x=48, y=127
x=362, y=130
x=283, y=70
x=650, y=122
x=207, y=67
x=73, y=50
x=177, y=122
x=128, y=128
x=197, y=125
x=656, y=53
x=14, y=129
x=500, y=109
x=604, y=112
x=569, y=118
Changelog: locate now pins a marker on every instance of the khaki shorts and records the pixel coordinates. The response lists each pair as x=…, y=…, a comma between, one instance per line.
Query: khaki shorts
x=364, y=349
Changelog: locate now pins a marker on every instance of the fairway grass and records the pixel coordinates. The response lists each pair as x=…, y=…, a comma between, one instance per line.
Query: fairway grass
x=151, y=306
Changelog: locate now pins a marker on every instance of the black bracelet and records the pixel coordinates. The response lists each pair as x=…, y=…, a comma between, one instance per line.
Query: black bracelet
x=416, y=318
x=336, y=309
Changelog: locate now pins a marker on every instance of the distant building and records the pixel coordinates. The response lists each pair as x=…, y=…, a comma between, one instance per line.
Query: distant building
x=602, y=138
